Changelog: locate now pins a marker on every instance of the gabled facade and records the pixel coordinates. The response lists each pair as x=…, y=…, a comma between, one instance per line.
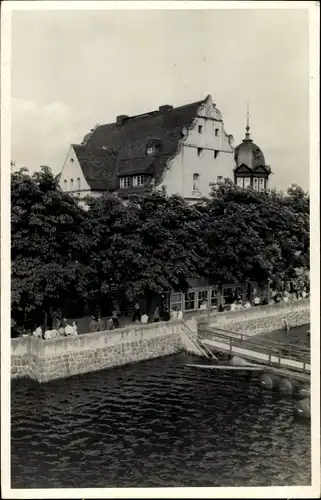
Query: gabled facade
x=183, y=149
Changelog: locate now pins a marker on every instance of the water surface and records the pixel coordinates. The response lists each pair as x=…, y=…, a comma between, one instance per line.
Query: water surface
x=155, y=424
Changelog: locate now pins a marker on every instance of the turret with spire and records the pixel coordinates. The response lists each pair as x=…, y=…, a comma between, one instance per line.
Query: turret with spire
x=251, y=169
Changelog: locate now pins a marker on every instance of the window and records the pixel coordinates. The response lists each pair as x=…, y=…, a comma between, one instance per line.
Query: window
x=261, y=188
x=214, y=297
x=199, y=151
x=176, y=301
x=125, y=182
x=71, y=184
x=255, y=184
x=196, y=179
x=219, y=178
x=138, y=180
x=65, y=184
x=228, y=295
x=202, y=298
x=247, y=182
x=189, y=301
x=78, y=184
x=200, y=129
x=231, y=293
x=72, y=160
x=151, y=150
x=216, y=153
x=240, y=181
x=216, y=132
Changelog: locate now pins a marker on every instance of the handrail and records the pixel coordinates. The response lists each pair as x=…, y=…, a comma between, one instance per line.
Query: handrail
x=249, y=338
x=271, y=352
x=197, y=341
x=285, y=352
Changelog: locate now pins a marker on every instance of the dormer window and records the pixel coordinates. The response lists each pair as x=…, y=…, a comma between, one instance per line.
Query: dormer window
x=151, y=150
x=138, y=180
x=125, y=182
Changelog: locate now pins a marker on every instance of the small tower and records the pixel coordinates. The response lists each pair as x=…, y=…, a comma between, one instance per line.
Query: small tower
x=250, y=168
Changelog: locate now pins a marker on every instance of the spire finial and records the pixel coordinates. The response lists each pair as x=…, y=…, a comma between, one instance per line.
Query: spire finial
x=247, y=135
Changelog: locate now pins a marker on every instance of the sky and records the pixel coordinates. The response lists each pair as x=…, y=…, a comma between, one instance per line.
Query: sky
x=74, y=69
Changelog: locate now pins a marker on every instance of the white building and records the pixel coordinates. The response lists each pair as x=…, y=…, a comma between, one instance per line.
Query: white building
x=183, y=149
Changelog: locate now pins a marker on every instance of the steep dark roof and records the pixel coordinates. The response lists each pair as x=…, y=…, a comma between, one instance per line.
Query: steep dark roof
x=98, y=166
x=249, y=154
x=126, y=145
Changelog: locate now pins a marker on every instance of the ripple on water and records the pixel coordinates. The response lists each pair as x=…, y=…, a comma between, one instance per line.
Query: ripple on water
x=155, y=424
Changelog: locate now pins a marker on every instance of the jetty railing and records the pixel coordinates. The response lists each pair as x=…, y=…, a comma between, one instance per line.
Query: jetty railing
x=274, y=353
x=292, y=349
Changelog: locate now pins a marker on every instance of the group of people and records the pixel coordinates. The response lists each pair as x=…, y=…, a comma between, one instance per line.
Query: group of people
x=275, y=298
x=63, y=329
x=161, y=313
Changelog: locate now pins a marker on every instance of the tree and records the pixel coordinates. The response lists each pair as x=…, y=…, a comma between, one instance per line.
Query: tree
x=144, y=248
x=271, y=233
x=46, y=235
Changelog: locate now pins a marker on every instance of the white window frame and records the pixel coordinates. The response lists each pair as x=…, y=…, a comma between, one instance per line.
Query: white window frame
x=138, y=180
x=255, y=183
x=151, y=150
x=190, y=297
x=214, y=297
x=240, y=182
x=196, y=180
x=202, y=295
x=125, y=182
x=176, y=299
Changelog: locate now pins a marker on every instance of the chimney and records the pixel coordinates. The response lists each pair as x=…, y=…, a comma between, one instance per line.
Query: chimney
x=164, y=108
x=120, y=120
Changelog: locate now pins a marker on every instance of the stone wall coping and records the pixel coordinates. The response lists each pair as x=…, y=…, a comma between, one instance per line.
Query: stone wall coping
x=91, y=336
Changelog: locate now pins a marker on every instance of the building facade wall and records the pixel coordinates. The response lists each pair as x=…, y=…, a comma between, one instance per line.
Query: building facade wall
x=72, y=178
x=206, y=153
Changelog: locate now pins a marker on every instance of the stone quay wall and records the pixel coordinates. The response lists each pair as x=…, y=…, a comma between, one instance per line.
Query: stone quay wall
x=45, y=360
x=261, y=319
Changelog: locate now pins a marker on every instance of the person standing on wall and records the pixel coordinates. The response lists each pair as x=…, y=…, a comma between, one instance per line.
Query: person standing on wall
x=137, y=314
x=156, y=314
